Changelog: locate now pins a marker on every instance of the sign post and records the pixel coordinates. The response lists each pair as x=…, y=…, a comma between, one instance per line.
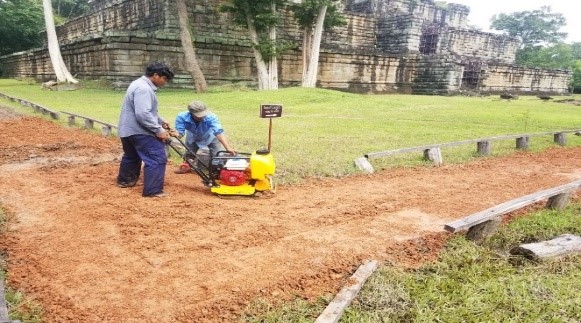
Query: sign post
x=270, y=111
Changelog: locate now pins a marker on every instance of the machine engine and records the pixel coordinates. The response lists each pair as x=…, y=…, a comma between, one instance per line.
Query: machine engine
x=234, y=172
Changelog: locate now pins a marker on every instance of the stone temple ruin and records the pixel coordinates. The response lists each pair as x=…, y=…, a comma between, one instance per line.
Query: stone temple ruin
x=387, y=46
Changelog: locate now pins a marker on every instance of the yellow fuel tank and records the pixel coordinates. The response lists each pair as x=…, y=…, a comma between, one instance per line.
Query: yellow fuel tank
x=261, y=164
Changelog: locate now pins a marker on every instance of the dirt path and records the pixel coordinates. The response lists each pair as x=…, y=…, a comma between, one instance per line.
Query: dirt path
x=92, y=252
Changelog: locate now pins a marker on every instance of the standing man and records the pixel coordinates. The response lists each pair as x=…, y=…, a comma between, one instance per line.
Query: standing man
x=203, y=132
x=143, y=133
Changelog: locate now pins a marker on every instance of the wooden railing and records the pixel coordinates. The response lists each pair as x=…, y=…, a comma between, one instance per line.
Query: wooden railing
x=483, y=223
x=433, y=152
x=36, y=107
x=89, y=123
x=106, y=128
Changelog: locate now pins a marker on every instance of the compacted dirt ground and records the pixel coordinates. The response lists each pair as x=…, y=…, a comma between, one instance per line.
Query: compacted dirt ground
x=89, y=251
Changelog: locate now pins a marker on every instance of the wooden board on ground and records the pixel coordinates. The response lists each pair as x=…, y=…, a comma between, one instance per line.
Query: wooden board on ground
x=335, y=309
x=560, y=246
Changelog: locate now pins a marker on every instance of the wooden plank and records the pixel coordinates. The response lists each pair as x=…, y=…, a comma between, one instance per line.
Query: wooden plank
x=3, y=309
x=509, y=206
x=560, y=246
x=462, y=142
x=335, y=309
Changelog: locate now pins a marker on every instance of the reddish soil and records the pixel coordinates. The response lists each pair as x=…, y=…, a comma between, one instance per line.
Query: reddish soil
x=89, y=251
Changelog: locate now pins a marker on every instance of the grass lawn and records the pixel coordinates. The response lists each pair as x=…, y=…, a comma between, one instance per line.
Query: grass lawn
x=322, y=132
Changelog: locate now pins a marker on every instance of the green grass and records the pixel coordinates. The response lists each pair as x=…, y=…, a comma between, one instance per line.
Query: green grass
x=322, y=132
x=468, y=283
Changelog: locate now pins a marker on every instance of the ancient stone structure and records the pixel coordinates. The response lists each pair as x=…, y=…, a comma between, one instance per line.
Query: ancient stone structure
x=406, y=46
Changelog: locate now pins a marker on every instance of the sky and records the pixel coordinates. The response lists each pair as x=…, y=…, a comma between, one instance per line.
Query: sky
x=482, y=10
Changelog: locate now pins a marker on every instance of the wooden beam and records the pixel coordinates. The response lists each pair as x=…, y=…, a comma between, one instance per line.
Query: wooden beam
x=335, y=309
x=560, y=246
x=522, y=137
x=3, y=309
x=511, y=205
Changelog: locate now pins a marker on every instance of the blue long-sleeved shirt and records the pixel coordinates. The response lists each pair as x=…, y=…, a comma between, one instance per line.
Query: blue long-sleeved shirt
x=202, y=133
x=139, y=114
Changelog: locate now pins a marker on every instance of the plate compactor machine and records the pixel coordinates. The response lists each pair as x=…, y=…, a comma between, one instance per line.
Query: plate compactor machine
x=245, y=174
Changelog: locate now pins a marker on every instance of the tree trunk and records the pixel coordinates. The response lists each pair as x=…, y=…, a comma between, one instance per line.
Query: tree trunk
x=260, y=64
x=273, y=61
x=59, y=66
x=307, y=36
x=188, y=47
x=310, y=79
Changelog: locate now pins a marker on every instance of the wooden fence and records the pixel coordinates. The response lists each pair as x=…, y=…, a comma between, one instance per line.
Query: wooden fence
x=89, y=123
x=38, y=108
x=106, y=128
x=484, y=223
x=483, y=147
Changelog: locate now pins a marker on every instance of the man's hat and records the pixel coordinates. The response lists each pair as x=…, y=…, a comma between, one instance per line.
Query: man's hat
x=198, y=108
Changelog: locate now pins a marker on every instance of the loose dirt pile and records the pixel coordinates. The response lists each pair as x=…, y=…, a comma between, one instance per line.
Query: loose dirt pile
x=89, y=251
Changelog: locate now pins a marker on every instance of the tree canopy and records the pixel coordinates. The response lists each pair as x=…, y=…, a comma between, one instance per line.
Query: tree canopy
x=22, y=25
x=532, y=28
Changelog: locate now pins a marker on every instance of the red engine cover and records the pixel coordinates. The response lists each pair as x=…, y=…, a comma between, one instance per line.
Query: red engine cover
x=232, y=177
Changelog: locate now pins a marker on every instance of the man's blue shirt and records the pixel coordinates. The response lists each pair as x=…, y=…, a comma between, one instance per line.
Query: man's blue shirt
x=202, y=133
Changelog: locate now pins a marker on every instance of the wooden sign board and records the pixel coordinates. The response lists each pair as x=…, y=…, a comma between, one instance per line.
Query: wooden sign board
x=270, y=111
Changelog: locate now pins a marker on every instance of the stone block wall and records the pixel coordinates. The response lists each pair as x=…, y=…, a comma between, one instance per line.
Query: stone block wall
x=470, y=43
x=370, y=54
x=436, y=74
x=399, y=35
x=509, y=78
x=454, y=15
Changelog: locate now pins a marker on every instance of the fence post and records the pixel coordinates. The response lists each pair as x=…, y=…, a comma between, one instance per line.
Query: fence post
x=560, y=139
x=522, y=143
x=434, y=155
x=483, y=148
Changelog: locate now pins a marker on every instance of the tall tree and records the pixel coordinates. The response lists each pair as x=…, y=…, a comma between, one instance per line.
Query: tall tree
x=314, y=16
x=260, y=18
x=21, y=25
x=192, y=65
x=60, y=69
x=532, y=28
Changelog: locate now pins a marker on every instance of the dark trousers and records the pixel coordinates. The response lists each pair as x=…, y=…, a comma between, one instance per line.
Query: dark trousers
x=149, y=150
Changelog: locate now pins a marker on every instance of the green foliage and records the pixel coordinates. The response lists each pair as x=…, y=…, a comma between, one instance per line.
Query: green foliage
x=305, y=13
x=532, y=28
x=577, y=74
x=258, y=14
x=22, y=22
x=559, y=56
x=269, y=49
